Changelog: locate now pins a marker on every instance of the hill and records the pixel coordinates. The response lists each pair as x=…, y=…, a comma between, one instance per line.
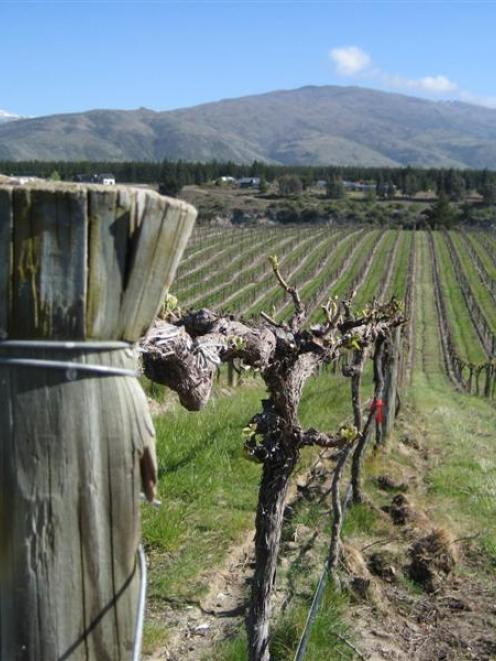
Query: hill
x=311, y=125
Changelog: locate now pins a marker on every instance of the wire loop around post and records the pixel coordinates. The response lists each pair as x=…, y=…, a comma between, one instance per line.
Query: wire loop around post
x=72, y=368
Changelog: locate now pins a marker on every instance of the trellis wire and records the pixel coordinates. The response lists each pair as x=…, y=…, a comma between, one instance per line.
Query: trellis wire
x=312, y=613
x=140, y=615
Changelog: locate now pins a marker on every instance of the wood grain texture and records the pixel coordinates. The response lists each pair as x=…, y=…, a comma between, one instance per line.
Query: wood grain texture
x=157, y=249
x=109, y=225
x=69, y=485
x=90, y=262
x=50, y=248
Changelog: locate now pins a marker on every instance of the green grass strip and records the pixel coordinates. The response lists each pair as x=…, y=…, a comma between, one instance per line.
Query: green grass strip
x=380, y=264
x=481, y=293
x=480, y=243
x=398, y=283
x=464, y=333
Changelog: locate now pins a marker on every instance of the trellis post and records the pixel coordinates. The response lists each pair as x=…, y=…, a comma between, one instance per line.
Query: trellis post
x=83, y=271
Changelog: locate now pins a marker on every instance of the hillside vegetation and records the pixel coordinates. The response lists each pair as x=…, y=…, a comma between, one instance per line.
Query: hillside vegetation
x=310, y=125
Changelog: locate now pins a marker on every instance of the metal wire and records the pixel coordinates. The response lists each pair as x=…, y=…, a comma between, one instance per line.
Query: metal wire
x=140, y=615
x=71, y=368
x=68, y=345
x=312, y=613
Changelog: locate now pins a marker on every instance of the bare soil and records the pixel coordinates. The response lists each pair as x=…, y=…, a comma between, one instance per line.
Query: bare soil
x=196, y=627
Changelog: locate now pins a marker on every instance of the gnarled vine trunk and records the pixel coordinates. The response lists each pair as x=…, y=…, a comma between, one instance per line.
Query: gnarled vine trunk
x=268, y=524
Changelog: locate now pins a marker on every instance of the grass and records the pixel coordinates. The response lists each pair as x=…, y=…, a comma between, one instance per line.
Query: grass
x=481, y=293
x=239, y=261
x=341, y=288
x=254, y=296
x=463, y=484
x=484, y=243
x=241, y=271
x=461, y=430
x=465, y=336
x=233, y=649
x=208, y=491
x=397, y=286
x=360, y=520
x=155, y=636
x=327, y=633
x=378, y=270
x=290, y=264
x=331, y=626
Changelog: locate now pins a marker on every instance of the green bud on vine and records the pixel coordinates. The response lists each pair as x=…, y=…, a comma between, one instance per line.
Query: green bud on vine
x=348, y=433
x=236, y=342
x=274, y=260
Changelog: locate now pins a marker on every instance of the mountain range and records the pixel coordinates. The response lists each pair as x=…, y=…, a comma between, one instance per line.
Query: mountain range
x=308, y=126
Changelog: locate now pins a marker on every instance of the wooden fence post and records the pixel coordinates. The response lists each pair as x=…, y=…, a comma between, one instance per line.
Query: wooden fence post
x=83, y=271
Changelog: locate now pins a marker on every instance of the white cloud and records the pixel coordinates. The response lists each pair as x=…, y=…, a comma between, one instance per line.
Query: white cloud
x=468, y=97
x=354, y=61
x=428, y=84
x=435, y=84
x=350, y=60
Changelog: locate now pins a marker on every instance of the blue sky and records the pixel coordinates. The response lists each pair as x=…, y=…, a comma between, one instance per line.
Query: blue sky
x=70, y=56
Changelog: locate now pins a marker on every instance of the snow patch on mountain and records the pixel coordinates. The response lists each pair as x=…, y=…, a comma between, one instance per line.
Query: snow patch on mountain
x=6, y=116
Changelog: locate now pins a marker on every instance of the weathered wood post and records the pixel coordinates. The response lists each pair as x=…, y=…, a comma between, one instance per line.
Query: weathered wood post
x=83, y=271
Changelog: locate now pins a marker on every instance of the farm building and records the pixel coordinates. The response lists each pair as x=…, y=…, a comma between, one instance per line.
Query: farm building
x=107, y=179
x=249, y=182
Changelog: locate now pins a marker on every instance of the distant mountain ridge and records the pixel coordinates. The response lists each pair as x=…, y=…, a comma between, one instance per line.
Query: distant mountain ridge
x=307, y=126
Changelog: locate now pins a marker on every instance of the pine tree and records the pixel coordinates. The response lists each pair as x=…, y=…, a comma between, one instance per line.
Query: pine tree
x=455, y=185
x=441, y=213
x=335, y=188
x=410, y=184
x=488, y=188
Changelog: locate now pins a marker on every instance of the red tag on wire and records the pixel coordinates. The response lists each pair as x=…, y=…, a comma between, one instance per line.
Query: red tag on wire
x=378, y=407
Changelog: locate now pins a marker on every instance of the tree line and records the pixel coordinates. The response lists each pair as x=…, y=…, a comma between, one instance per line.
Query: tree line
x=174, y=175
